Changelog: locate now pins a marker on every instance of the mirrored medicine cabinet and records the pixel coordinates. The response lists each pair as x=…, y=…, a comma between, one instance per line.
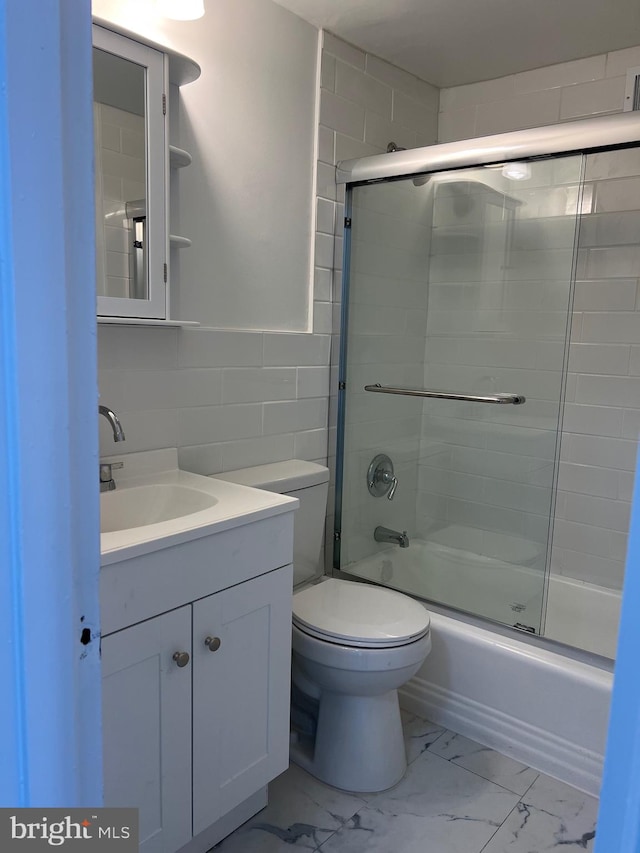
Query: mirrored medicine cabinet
x=132, y=160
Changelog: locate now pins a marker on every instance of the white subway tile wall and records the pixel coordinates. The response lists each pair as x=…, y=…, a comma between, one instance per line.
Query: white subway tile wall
x=225, y=399
x=602, y=412
x=555, y=93
x=365, y=104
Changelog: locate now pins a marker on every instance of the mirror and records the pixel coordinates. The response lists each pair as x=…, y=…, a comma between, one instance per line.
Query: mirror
x=130, y=161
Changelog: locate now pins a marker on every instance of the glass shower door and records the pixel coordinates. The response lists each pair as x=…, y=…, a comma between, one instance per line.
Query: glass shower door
x=458, y=282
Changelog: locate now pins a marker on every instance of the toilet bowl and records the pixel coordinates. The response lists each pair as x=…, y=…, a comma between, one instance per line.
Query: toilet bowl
x=353, y=646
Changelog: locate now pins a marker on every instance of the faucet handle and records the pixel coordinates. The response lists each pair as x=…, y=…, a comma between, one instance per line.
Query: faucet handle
x=392, y=490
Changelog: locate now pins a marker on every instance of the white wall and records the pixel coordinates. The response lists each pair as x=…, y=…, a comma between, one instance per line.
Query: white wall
x=249, y=122
x=230, y=398
x=602, y=414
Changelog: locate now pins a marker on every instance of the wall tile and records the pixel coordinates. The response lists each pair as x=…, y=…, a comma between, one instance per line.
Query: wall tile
x=342, y=115
x=619, y=61
x=457, y=97
x=247, y=385
x=328, y=72
x=209, y=424
x=606, y=295
x=599, y=358
x=294, y=416
x=531, y=110
x=313, y=382
x=219, y=348
x=412, y=114
x=379, y=132
x=311, y=444
x=295, y=349
x=256, y=451
x=326, y=181
x=457, y=124
x=201, y=459
x=592, y=420
x=596, y=98
x=343, y=50
x=564, y=74
x=326, y=144
x=362, y=89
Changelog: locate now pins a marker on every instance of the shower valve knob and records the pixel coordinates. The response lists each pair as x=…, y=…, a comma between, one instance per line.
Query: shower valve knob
x=381, y=479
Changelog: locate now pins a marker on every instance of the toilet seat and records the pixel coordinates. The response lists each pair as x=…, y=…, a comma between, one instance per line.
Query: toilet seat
x=359, y=615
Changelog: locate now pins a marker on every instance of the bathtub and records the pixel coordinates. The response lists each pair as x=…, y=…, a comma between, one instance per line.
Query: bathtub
x=542, y=707
x=578, y=614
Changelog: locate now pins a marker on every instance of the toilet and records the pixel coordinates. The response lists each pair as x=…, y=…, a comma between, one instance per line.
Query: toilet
x=353, y=646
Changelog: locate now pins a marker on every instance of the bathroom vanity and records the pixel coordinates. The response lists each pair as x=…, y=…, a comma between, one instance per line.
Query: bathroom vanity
x=196, y=647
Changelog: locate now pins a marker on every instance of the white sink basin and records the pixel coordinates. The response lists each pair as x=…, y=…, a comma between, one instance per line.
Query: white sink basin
x=156, y=505
x=139, y=506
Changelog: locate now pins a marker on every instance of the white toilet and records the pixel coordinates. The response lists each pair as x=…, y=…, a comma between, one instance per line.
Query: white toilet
x=353, y=646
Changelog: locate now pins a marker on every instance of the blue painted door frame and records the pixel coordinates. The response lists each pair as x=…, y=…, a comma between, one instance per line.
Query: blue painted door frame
x=50, y=752
x=619, y=819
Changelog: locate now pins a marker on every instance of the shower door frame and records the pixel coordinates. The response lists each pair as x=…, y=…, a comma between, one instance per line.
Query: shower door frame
x=582, y=137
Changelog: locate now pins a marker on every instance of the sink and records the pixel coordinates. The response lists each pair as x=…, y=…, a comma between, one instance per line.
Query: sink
x=139, y=506
x=157, y=505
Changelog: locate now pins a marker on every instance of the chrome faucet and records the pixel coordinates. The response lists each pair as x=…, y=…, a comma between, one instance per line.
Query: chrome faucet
x=384, y=534
x=116, y=426
x=107, y=483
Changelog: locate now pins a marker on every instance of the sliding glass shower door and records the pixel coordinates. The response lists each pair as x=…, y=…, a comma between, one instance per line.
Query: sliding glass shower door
x=457, y=302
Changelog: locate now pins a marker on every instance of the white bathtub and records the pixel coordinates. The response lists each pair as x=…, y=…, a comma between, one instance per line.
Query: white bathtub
x=579, y=614
x=544, y=708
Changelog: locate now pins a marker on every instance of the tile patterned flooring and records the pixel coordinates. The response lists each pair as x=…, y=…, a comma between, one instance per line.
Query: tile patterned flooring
x=457, y=797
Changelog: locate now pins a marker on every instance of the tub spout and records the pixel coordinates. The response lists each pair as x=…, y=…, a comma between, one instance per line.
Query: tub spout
x=384, y=534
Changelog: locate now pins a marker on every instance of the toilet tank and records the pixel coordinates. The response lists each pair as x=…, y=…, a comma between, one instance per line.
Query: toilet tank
x=310, y=484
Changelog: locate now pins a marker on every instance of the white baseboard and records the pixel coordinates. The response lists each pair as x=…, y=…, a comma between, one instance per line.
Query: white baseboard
x=491, y=727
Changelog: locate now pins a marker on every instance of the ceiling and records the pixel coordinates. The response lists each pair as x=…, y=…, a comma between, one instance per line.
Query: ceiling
x=450, y=42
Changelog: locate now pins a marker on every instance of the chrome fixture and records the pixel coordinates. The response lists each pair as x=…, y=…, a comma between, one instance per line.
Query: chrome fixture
x=392, y=147
x=384, y=534
x=116, y=426
x=107, y=483
x=503, y=399
x=381, y=479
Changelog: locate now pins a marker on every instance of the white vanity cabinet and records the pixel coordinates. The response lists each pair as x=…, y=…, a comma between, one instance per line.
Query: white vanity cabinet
x=146, y=724
x=240, y=693
x=196, y=657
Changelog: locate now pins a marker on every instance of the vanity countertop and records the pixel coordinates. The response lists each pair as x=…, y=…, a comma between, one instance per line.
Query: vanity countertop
x=232, y=505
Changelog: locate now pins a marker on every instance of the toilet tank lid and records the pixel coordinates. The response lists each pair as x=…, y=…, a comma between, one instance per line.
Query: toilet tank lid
x=279, y=477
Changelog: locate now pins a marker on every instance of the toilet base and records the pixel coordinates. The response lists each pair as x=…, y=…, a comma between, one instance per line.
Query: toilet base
x=359, y=743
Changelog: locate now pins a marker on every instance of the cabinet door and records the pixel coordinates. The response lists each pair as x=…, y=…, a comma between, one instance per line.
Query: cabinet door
x=240, y=693
x=146, y=709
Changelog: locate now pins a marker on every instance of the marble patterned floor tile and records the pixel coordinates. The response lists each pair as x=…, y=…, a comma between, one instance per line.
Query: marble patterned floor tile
x=551, y=816
x=419, y=734
x=437, y=808
x=485, y=762
x=302, y=813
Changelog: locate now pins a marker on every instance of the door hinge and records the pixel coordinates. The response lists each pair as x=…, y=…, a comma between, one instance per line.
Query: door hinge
x=342, y=386
x=166, y=273
x=347, y=222
x=336, y=536
x=164, y=105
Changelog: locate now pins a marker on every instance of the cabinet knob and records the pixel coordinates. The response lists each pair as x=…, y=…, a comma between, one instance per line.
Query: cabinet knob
x=212, y=643
x=181, y=658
